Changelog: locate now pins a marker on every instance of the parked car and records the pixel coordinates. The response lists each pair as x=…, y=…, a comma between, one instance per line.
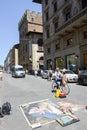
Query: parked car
x=82, y=78
x=45, y=74
x=71, y=76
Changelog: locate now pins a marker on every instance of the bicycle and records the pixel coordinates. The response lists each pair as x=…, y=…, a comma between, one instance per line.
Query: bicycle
x=64, y=87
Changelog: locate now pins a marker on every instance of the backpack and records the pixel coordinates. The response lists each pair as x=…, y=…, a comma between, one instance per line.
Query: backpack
x=6, y=108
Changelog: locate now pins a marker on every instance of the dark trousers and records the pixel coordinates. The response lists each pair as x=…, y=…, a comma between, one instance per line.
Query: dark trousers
x=57, y=82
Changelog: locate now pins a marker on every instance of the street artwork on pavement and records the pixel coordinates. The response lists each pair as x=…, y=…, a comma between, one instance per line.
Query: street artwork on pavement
x=68, y=106
x=67, y=119
x=41, y=112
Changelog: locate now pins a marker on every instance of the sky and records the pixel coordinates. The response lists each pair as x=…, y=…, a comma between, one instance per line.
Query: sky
x=11, y=12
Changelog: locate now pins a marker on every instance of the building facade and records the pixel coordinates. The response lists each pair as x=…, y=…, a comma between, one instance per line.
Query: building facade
x=12, y=58
x=65, y=33
x=31, y=41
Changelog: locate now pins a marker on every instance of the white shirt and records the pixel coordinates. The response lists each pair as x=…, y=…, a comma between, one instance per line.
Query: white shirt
x=58, y=75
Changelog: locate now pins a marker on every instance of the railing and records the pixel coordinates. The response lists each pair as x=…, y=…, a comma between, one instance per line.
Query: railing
x=82, y=13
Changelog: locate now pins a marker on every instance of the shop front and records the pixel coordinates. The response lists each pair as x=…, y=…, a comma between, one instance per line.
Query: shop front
x=72, y=62
x=59, y=62
x=85, y=60
x=49, y=64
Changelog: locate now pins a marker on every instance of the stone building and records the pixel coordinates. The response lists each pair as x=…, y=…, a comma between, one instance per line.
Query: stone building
x=12, y=58
x=31, y=41
x=15, y=55
x=65, y=33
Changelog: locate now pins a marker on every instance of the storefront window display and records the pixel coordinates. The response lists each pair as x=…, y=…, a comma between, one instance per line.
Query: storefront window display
x=71, y=62
x=58, y=62
x=85, y=60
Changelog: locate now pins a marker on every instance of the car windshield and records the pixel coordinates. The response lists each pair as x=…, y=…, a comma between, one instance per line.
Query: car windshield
x=69, y=72
x=19, y=69
x=45, y=71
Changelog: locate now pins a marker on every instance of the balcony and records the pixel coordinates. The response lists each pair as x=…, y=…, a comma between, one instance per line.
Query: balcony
x=66, y=4
x=73, y=23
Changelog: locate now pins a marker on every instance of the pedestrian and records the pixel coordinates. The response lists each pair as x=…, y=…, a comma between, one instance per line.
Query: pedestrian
x=79, y=70
x=50, y=75
x=41, y=72
x=26, y=71
x=58, y=77
x=35, y=73
x=64, y=77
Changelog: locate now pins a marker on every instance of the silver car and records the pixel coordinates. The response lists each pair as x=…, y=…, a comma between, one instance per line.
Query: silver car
x=45, y=74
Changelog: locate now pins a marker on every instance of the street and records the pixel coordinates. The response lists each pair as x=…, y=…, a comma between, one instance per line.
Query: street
x=30, y=89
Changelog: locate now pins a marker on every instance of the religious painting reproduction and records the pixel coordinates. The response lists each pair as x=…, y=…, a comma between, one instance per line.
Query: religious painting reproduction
x=40, y=112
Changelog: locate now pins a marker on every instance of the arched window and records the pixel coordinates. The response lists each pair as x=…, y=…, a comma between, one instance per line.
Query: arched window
x=84, y=3
x=41, y=58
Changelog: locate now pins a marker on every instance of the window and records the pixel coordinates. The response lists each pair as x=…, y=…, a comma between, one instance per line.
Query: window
x=40, y=42
x=69, y=41
x=70, y=60
x=46, y=2
x=47, y=33
x=57, y=46
x=55, y=26
x=85, y=35
x=55, y=7
x=47, y=16
x=32, y=19
x=49, y=64
x=84, y=3
x=48, y=50
x=58, y=62
x=67, y=16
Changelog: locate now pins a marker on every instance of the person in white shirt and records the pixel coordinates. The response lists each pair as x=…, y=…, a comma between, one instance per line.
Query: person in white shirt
x=35, y=73
x=58, y=76
x=64, y=78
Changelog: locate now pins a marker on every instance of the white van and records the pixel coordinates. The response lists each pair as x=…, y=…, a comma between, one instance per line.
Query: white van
x=18, y=71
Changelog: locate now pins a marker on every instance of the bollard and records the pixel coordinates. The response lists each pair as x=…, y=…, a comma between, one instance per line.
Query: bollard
x=57, y=94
